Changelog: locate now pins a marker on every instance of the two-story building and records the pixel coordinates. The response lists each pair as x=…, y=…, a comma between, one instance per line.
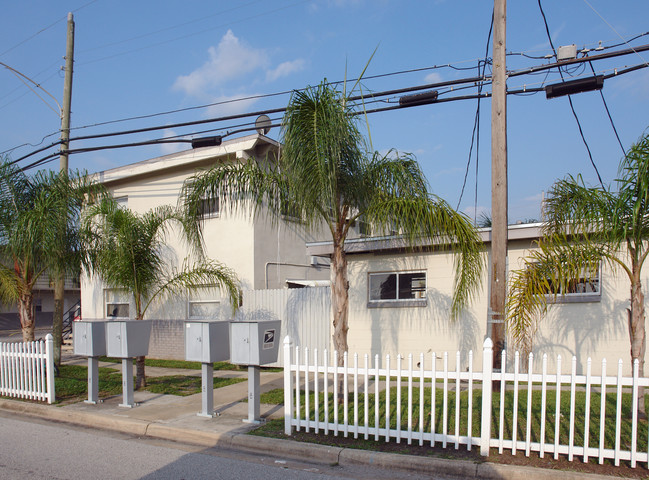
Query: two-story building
x=264, y=254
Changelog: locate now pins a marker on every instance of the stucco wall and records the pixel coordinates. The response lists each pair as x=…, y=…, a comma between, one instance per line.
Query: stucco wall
x=595, y=329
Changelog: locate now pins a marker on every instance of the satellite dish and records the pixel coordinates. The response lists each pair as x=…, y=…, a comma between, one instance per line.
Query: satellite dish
x=262, y=124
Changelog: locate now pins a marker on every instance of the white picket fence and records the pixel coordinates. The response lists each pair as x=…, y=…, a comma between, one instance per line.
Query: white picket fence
x=590, y=424
x=27, y=370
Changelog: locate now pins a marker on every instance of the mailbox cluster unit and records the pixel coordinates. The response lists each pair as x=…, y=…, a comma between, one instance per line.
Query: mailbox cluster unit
x=251, y=343
x=243, y=343
x=123, y=339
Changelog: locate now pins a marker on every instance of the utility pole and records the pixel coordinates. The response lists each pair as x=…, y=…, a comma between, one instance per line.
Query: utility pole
x=59, y=280
x=498, y=277
x=67, y=94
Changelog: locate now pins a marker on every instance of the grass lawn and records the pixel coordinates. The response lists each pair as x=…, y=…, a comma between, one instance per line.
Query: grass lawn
x=275, y=428
x=153, y=362
x=72, y=383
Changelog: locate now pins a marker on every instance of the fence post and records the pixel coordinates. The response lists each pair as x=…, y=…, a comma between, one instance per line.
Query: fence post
x=49, y=353
x=485, y=413
x=288, y=387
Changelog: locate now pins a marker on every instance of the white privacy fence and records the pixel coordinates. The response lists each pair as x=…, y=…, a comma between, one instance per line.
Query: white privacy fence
x=305, y=314
x=27, y=370
x=424, y=400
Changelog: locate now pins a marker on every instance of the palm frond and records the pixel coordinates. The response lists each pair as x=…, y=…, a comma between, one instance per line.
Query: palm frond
x=194, y=277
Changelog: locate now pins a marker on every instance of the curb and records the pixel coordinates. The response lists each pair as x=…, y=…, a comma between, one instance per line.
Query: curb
x=319, y=454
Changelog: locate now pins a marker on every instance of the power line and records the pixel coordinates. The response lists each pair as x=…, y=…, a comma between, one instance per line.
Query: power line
x=476, y=127
x=44, y=29
x=572, y=107
x=193, y=34
x=53, y=156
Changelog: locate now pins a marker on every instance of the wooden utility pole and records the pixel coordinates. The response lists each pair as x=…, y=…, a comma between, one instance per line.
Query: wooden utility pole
x=67, y=94
x=498, y=277
x=59, y=280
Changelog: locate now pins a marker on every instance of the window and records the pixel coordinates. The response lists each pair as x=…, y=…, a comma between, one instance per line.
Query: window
x=204, y=303
x=586, y=288
x=117, y=303
x=397, y=289
x=204, y=308
x=210, y=207
x=290, y=211
x=122, y=202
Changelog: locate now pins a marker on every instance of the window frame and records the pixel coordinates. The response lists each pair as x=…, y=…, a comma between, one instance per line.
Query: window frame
x=204, y=294
x=112, y=292
x=579, y=297
x=421, y=301
x=210, y=201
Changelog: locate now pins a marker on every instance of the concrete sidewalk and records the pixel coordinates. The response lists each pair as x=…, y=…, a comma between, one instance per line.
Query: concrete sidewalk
x=175, y=418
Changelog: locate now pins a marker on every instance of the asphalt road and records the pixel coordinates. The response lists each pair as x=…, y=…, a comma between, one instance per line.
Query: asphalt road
x=37, y=449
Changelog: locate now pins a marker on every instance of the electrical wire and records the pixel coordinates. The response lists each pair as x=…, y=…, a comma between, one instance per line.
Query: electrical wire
x=572, y=107
x=476, y=128
x=193, y=34
x=608, y=112
x=53, y=156
x=44, y=29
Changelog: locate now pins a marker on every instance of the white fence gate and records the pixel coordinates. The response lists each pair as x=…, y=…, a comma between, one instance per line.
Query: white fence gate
x=27, y=370
x=305, y=314
x=557, y=413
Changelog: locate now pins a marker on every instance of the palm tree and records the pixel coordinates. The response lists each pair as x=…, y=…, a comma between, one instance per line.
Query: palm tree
x=125, y=251
x=38, y=233
x=326, y=177
x=586, y=225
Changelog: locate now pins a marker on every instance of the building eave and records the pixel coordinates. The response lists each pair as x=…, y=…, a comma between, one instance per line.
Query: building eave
x=356, y=246
x=192, y=158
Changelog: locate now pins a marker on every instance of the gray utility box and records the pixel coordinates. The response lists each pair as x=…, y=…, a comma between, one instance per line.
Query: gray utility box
x=254, y=343
x=127, y=338
x=207, y=342
x=89, y=337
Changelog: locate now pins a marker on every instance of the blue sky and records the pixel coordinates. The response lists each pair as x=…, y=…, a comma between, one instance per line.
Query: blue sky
x=140, y=58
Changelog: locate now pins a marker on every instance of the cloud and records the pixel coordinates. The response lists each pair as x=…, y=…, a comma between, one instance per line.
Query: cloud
x=285, y=69
x=229, y=60
x=169, y=148
x=433, y=78
x=636, y=84
x=230, y=105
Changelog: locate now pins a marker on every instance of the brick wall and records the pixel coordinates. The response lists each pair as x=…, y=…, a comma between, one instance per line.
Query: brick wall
x=167, y=340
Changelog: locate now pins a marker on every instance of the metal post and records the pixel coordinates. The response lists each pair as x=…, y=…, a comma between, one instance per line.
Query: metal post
x=253, y=394
x=127, y=383
x=207, y=390
x=93, y=380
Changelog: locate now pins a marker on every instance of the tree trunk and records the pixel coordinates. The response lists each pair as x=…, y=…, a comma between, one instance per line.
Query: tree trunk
x=140, y=374
x=638, y=333
x=26, y=314
x=339, y=299
x=57, y=319
x=140, y=377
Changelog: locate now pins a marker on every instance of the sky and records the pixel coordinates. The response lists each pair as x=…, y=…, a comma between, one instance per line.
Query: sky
x=145, y=58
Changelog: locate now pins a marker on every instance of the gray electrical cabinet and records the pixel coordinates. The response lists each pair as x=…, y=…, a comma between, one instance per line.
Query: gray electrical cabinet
x=207, y=341
x=89, y=337
x=127, y=338
x=254, y=342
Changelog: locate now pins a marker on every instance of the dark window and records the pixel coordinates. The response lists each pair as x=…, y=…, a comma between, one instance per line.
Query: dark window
x=209, y=207
x=397, y=286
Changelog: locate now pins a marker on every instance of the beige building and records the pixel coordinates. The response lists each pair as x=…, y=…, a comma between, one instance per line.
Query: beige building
x=264, y=255
x=400, y=302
